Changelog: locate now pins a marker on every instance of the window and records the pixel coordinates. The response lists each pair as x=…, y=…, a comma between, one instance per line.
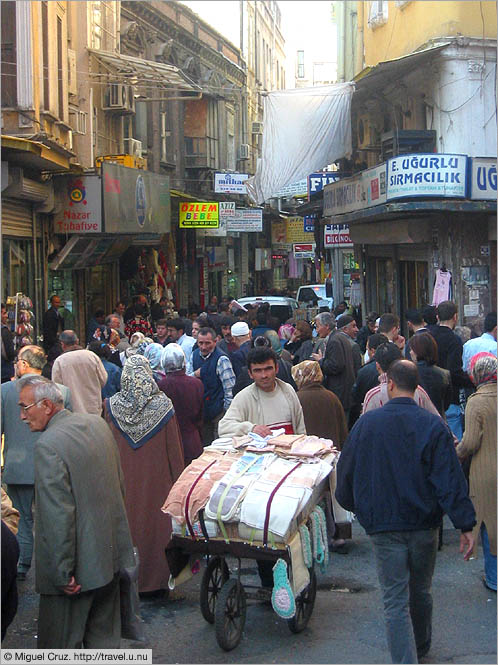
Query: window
x=60, y=80
x=212, y=135
x=166, y=149
x=377, y=14
x=46, y=93
x=103, y=26
x=9, y=67
x=300, y=64
x=230, y=139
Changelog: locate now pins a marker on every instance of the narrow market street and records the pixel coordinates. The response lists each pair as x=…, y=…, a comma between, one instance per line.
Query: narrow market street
x=346, y=625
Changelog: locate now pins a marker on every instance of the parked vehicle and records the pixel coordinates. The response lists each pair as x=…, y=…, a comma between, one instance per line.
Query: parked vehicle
x=315, y=295
x=281, y=307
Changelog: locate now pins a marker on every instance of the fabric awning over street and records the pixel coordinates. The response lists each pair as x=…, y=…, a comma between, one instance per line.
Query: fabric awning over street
x=125, y=68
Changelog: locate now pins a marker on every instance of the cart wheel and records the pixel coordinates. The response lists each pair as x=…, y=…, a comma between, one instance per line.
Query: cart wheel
x=215, y=575
x=230, y=613
x=304, y=606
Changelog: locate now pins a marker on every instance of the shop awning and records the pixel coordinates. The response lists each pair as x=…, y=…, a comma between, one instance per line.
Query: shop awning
x=32, y=154
x=127, y=69
x=389, y=69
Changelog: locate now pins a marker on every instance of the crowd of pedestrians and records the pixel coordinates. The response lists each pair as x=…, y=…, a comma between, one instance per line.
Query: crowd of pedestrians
x=415, y=420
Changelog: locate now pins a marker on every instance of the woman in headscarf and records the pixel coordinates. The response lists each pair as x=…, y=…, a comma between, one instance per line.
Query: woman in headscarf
x=300, y=345
x=187, y=395
x=479, y=440
x=145, y=427
x=324, y=417
x=153, y=353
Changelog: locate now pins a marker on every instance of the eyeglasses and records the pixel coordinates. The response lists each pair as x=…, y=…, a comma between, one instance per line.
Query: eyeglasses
x=28, y=406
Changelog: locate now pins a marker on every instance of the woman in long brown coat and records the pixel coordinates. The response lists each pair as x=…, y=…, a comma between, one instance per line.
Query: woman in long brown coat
x=479, y=440
x=323, y=416
x=144, y=425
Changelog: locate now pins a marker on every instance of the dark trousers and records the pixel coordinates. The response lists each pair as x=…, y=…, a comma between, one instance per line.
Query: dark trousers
x=22, y=497
x=210, y=429
x=90, y=620
x=405, y=566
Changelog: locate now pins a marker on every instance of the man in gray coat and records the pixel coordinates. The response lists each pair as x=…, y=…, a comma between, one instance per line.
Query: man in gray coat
x=82, y=537
x=19, y=441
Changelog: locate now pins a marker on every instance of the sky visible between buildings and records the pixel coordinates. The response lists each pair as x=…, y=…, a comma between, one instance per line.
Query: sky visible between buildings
x=306, y=26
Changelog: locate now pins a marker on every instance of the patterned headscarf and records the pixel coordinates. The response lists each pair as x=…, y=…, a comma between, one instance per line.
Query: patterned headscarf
x=309, y=371
x=139, y=410
x=274, y=341
x=173, y=358
x=483, y=368
x=153, y=353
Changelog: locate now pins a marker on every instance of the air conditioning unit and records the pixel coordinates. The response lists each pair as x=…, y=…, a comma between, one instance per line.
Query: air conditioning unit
x=133, y=147
x=365, y=132
x=244, y=151
x=257, y=128
x=119, y=97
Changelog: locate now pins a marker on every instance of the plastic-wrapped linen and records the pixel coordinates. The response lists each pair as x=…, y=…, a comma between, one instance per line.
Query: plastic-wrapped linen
x=305, y=130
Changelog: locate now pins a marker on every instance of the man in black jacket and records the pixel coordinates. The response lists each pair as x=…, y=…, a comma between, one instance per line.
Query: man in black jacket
x=398, y=472
x=450, y=349
x=53, y=323
x=367, y=377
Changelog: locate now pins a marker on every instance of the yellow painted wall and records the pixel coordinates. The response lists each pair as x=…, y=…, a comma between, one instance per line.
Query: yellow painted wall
x=409, y=27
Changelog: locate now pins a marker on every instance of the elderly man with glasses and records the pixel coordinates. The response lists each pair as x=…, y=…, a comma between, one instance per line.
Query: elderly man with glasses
x=19, y=443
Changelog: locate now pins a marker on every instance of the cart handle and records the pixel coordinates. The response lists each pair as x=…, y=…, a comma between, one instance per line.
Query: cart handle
x=270, y=499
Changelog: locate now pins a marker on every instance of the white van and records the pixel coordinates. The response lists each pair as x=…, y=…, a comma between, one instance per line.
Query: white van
x=314, y=295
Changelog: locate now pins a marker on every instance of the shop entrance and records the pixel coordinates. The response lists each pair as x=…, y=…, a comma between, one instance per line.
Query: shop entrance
x=414, y=283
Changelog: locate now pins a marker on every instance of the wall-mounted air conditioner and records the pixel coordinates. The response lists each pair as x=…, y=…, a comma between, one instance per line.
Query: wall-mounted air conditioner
x=244, y=151
x=133, y=147
x=78, y=120
x=257, y=128
x=119, y=97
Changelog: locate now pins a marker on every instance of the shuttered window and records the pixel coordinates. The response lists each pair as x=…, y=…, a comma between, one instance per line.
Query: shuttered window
x=17, y=219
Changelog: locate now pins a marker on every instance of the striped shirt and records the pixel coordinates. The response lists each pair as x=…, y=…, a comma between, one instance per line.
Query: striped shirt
x=378, y=396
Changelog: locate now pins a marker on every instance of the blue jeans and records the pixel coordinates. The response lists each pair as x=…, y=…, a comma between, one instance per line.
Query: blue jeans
x=489, y=560
x=405, y=566
x=454, y=419
x=22, y=497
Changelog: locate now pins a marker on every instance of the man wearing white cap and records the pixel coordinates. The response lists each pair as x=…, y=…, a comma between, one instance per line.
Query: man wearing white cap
x=242, y=338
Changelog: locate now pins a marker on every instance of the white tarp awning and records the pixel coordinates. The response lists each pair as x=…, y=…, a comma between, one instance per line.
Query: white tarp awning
x=305, y=130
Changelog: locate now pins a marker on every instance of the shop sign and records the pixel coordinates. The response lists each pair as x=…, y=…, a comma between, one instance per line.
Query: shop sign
x=295, y=230
x=317, y=181
x=226, y=210
x=199, y=215
x=216, y=256
x=278, y=233
x=299, y=188
x=230, y=183
x=426, y=175
x=304, y=250
x=483, y=178
x=364, y=190
x=82, y=206
x=337, y=235
x=246, y=219
x=309, y=223
x=135, y=201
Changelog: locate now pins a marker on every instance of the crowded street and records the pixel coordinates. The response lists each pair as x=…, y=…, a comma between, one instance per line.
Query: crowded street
x=249, y=331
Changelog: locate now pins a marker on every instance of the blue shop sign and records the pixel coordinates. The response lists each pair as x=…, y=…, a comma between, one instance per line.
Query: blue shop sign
x=423, y=175
x=317, y=181
x=309, y=223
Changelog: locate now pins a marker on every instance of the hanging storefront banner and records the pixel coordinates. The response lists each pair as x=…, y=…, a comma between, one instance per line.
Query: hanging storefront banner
x=226, y=211
x=135, y=201
x=309, y=223
x=337, y=235
x=246, y=219
x=363, y=190
x=426, y=175
x=483, y=179
x=230, y=183
x=298, y=188
x=82, y=206
x=305, y=250
x=295, y=230
x=317, y=181
x=199, y=215
x=278, y=233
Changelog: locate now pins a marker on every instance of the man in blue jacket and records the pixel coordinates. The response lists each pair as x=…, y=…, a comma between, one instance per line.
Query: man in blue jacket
x=399, y=472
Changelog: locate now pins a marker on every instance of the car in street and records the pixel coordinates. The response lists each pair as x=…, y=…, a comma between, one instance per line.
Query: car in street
x=281, y=307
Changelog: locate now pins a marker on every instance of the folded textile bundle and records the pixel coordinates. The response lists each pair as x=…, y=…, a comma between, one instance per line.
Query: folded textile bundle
x=191, y=491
